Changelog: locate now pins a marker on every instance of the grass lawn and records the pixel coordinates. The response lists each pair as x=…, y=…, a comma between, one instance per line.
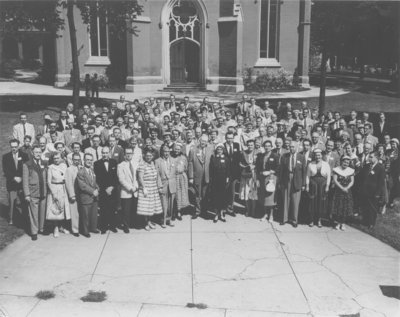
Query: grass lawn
x=387, y=228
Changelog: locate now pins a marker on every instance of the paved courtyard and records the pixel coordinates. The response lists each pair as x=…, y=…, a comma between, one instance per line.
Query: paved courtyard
x=240, y=268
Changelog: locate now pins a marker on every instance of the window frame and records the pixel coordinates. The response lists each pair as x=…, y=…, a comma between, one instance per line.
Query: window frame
x=98, y=59
x=269, y=61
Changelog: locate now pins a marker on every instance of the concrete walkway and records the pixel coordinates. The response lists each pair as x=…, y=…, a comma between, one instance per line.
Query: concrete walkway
x=243, y=267
x=20, y=88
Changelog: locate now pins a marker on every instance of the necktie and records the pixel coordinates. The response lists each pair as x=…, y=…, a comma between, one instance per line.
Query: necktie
x=97, y=155
x=305, y=123
x=230, y=150
x=16, y=161
x=291, y=163
x=132, y=170
x=23, y=125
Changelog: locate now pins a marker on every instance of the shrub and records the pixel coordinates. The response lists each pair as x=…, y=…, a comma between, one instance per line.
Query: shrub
x=8, y=67
x=45, y=295
x=270, y=80
x=94, y=297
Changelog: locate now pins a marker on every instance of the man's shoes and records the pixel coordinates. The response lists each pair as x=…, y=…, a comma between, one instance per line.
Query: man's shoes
x=95, y=231
x=282, y=223
x=195, y=216
x=126, y=230
x=75, y=234
x=222, y=219
x=86, y=235
x=179, y=217
x=169, y=223
x=34, y=237
x=294, y=224
x=113, y=230
x=103, y=231
x=163, y=226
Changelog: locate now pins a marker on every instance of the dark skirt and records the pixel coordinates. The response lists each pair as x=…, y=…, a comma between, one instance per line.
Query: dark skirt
x=219, y=192
x=317, y=197
x=342, y=204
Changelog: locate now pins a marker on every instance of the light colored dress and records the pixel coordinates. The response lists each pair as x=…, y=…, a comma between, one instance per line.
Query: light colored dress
x=151, y=204
x=57, y=199
x=182, y=197
x=248, y=180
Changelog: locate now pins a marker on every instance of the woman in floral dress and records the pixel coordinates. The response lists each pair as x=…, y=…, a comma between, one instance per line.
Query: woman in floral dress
x=342, y=201
x=248, y=178
x=149, y=202
x=57, y=208
x=182, y=197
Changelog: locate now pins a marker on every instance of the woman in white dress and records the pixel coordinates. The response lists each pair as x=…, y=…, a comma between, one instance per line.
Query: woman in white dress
x=57, y=203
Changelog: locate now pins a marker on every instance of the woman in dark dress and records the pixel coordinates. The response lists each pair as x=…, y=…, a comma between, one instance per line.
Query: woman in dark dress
x=219, y=179
x=266, y=170
x=342, y=200
x=317, y=185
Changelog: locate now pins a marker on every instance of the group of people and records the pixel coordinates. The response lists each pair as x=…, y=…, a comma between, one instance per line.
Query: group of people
x=146, y=164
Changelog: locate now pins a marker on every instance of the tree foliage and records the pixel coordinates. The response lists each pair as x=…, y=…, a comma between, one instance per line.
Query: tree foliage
x=367, y=30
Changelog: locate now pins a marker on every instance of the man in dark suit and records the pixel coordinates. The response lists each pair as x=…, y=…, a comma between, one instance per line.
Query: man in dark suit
x=12, y=168
x=372, y=189
x=87, y=143
x=107, y=179
x=88, y=196
x=292, y=180
x=34, y=177
x=381, y=128
x=232, y=151
x=116, y=152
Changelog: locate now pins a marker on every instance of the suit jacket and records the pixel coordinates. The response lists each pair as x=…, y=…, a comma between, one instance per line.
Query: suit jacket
x=334, y=159
x=86, y=144
x=168, y=179
x=127, y=179
x=60, y=126
x=203, y=125
x=380, y=132
x=87, y=185
x=106, y=178
x=31, y=184
x=234, y=159
x=73, y=135
x=279, y=153
x=11, y=171
x=263, y=164
x=373, y=184
x=117, y=153
x=299, y=171
x=95, y=152
x=71, y=185
x=197, y=167
x=18, y=132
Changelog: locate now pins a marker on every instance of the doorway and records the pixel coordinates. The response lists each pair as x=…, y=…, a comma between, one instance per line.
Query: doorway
x=185, y=61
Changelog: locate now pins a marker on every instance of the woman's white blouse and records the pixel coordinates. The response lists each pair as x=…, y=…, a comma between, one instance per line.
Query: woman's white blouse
x=325, y=169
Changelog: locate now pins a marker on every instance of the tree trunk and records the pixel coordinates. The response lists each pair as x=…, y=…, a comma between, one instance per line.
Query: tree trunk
x=322, y=84
x=75, y=74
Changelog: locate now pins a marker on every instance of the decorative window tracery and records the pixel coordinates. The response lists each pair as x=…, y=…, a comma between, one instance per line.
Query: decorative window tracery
x=184, y=22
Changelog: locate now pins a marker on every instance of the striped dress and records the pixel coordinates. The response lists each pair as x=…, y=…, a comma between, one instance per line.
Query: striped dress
x=151, y=204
